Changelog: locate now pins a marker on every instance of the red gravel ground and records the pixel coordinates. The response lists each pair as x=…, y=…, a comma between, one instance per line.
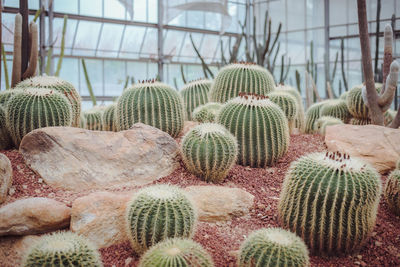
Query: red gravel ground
x=222, y=240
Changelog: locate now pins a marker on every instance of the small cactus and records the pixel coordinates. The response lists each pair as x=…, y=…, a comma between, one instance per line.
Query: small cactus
x=207, y=112
x=32, y=109
x=209, y=151
x=324, y=121
x=392, y=192
x=62, y=249
x=273, y=247
x=260, y=127
x=312, y=115
x=241, y=78
x=330, y=200
x=195, y=94
x=355, y=102
x=336, y=108
x=5, y=139
x=59, y=85
x=176, y=252
x=94, y=118
x=108, y=118
x=152, y=103
x=287, y=102
x=156, y=213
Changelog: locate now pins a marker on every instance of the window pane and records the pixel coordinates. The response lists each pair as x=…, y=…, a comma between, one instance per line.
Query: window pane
x=110, y=40
x=114, y=77
x=95, y=73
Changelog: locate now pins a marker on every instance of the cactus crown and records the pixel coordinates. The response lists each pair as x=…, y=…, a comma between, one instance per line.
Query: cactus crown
x=6, y=95
x=336, y=108
x=312, y=114
x=207, y=112
x=194, y=94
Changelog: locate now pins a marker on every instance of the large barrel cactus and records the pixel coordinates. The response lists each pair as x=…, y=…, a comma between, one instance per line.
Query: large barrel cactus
x=209, y=151
x=6, y=95
x=108, y=118
x=273, y=247
x=324, y=121
x=343, y=96
x=300, y=119
x=5, y=139
x=156, y=213
x=61, y=86
x=62, y=249
x=312, y=115
x=241, y=77
x=93, y=118
x=176, y=252
x=195, y=94
x=392, y=192
x=33, y=108
x=260, y=127
x=207, y=112
x=336, y=108
x=288, y=103
x=330, y=200
x=355, y=102
x=152, y=103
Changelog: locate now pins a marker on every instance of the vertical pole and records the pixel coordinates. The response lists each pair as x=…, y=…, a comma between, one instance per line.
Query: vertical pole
x=42, y=41
x=160, y=40
x=248, y=26
x=50, y=45
x=327, y=47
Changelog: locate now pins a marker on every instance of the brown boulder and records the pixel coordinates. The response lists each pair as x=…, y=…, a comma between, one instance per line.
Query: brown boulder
x=5, y=177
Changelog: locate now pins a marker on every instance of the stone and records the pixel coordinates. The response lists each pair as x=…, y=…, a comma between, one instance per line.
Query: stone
x=218, y=203
x=77, y=159
x=5, y=177
x=377, y=145
x=33, y=216
x=14, y=248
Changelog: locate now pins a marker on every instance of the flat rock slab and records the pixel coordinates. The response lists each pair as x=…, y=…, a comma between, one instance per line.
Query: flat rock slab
x=78, y=159
x=377, y=145
x=33, y=216
x=5, y=177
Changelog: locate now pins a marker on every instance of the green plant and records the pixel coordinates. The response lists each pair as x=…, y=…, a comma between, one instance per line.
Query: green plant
x=330, y=200
x=176, y=252
x=194, y=94
x=241, y=78
x=59, y=85
x=312, y=115
x=392, y=191
x=88, y=83
x=322, y=122
x=33, y=108
x=62, y=249
x=273, y=247
x=207, y=112
x=288, y=103
x=109, y=118
x=355, y=103
x=336, y=108
x=357, y=121
x=6, y=95
x=94, y=118
x=260, y=127
x=344, y=96
x=5, y=139
x=153, y=103
x=209, y=151
x=156, y=213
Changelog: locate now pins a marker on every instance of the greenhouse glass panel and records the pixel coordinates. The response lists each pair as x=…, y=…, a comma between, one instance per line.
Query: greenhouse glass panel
x=95, y=73
x=149, y=48
x=140, y=10
x=295, y=15
x=114, y=77
x=296, y=47
x=188, y=54
x=138, y=70
x=87, y=35
x=70, y=70
x=110, y=40
x=70, y=6
x=116, y=10
x=92, y=8
x=209, y=46
x=69, y=34
x=132, y=41
x=173, y=43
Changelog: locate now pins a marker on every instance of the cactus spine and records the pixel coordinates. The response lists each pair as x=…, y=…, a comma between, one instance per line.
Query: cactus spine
x=176, y=252
x=6, y=95
x=324, y=121
x=312, y=115
x=93, y=118
x=392, y=191
x=288, y=104
x=299, y=120
x=195, y=94
x=156, y=213
x=32, y=109
x=260, y=127
x=62, y=249
x=336, y=108
x=273, y=247
x=152, y=103
x=241, y=77
x=207, y=112
x=330, y=200
x=61, y=86
x=209, y=151
x=109, y=118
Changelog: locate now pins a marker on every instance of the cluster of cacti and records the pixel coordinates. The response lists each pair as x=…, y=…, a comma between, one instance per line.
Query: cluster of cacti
x=273, y=247
x=5, y=139
x=288, y=104
x=108, y=118
x=59, y=85
x=260, y=127
x=176, y=252
x=93, y=118
x=156, y=213
x=195, y=94
x=356, y=105
x=392, y=191
x=336, y=108
x=62, y=249
x=241, y=78
x=324, y=121
x=209, y=151
x=207, y=112
x=153, y=103
x=330, y=200
x=312, y=115
x=299, y=120
x=33, y=108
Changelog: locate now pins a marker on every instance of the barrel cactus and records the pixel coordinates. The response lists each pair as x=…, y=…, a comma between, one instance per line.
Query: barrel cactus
x=312, y=115
x=156, y=213
x=324, y=121
x=176, y=252
x=355, y=102
x=59, y=85
x=5, y=139
x=336, y=108
x=152, y=103
x=330, y=200
x=357, y=121
x=195, y=94
x=299, y=122
x=392, y=192
x=108, y=118
x=288, y=104
x=209, y=151
x=33, y=108
x=6, y=95
x=93, y=118
x=241, y=77
x=343, y=96
x=207, y=112
x=273, y=247
x=260, y=127
x=62, y=249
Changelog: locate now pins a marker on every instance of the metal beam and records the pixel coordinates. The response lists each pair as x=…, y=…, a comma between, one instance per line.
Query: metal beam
x=396, y=34
x=327, y=48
